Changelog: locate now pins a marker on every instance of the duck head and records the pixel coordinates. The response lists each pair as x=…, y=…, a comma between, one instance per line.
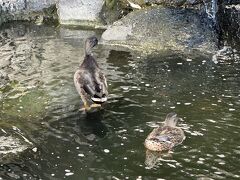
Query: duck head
x=90, y=43
x=171, y=119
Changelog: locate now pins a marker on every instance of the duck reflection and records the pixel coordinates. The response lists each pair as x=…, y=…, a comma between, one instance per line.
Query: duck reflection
x=154, y=158
x=91, y=125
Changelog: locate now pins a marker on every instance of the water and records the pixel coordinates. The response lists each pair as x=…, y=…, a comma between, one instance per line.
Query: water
x=40, y=109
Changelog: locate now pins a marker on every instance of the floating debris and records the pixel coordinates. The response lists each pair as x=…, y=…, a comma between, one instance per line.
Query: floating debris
x=106, y=150
x=69, y=174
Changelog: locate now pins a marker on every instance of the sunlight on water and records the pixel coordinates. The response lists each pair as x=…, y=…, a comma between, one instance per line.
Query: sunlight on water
x=60, y=142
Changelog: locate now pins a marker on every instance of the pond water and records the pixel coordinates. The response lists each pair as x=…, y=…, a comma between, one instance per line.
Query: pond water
x=40, y=108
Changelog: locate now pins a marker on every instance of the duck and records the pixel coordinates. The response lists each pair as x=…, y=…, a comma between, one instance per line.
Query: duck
x=89, y=80
x=167, y=136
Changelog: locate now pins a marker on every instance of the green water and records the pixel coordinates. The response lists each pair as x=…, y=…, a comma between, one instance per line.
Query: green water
x=41, y=104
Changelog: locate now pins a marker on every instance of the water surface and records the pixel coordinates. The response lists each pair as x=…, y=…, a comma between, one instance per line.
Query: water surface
x=40, y=107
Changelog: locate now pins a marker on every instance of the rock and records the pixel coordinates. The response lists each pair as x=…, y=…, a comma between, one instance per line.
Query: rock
x=167, y=2
x=229, y=23
x=160, y=28
x=4, y=79
x=24, y=9
x=36, y=5
x=12, y=142
x=80, y=12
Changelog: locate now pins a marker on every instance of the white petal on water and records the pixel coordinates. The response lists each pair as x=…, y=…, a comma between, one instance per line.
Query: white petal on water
x=231, y=109
x=106, y=150
x=147, y=85
x=172, y=107
x=189, y=60
x=125, y=88
x=154, y=101
x=171, y=165
x=221, y=155
x=81, y=155
x=52, y=174
x=67, y=170
x=200, y=162
x=187, y=103
x=139, y=178
x=69, y=174
x=34, y=149
x=211, y=120
x=179, y=63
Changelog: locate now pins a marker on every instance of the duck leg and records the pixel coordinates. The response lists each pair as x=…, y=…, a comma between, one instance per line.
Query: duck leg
x=85, y=104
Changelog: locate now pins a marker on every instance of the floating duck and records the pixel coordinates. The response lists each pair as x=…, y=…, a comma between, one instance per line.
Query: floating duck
x=89, y=80
x=165, y=137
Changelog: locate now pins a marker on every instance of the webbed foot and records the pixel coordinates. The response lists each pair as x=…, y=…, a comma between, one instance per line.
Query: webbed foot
x=85, y=107
x=95, y=105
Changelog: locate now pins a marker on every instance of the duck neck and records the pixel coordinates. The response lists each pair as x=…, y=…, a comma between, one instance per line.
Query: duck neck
x=88, y=51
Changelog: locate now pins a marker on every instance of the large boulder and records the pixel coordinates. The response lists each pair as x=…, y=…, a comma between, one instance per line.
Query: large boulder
x=80, y=12
x=160, y=28
x=25, y=9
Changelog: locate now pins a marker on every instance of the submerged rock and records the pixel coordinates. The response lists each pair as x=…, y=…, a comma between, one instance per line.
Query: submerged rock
x=161, y=28
x=80, y=12
x=12, y=143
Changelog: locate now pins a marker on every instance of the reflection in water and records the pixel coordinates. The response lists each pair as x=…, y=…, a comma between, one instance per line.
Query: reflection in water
x=41, y=101
x=153, y=158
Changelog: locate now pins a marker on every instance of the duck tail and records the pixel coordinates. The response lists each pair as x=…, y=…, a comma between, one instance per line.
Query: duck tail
x=171, y=119
x=99, y=100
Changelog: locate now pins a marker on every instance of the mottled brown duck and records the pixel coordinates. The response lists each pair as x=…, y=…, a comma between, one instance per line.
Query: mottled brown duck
x=165, y=137
x=89, y=80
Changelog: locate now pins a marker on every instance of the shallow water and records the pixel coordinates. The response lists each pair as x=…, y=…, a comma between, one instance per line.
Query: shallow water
x=40, y=107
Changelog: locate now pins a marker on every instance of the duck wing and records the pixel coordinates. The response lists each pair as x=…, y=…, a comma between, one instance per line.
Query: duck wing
x=94, y=84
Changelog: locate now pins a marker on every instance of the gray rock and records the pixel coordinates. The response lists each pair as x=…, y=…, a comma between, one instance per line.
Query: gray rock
x=23, y=9
x=36, y=5
x=80, y=12
x=160, y=28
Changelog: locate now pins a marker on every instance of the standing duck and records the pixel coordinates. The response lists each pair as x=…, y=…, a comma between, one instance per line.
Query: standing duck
x=89, y=80
x=165, y=137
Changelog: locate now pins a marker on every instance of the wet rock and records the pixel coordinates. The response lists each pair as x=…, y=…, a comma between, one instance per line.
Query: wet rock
x=80, y=12
x=160, y=28
x=12, y=142
x=4, y=79
x=229, y=23
x=167, y=2
x=25, y=9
